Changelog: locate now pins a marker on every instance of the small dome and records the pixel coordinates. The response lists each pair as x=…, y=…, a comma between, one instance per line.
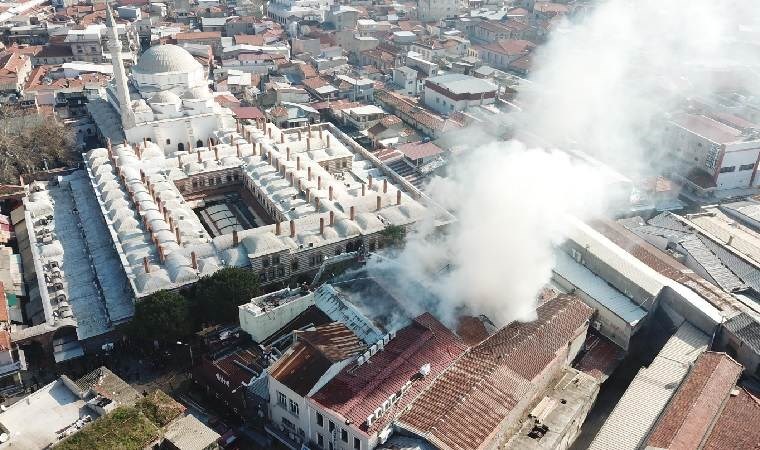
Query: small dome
x=197, y=93
x=166, y=58
x=165, y=97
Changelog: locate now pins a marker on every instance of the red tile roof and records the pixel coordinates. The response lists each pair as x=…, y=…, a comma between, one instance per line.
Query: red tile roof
x=357, y=391
x=191, y=36
x=467, y=402
x=737, y=427
x=418, y=150
x=510, y=47
x=600, y=358
x=693, y=410
x=249, y=39
x=315, y=83
x=314, y=352
x=247, y=112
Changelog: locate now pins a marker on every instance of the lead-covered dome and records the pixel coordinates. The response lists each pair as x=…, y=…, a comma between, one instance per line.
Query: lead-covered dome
x=166, y=58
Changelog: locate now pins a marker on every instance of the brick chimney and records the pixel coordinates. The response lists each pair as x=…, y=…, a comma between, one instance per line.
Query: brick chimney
x=319, y=182
x=234, y=238
x=161, y=255
x=320, y=133
x=379, y=202
x=364, y=190
x=178, y=235
x=328, y=141
x=237, y=149
x=398, y=197
x=316, y=203
x=216, y=153
x=146, y=265
x=332, y=218
x=330, y=193
x=199, y=155
x=322, y=226
x=298, y=163
x=282, y=137
x=308, y=144
x=292, y=229
x=194, y=260
x=269, y=132
x=308, y=172
x=351, y=213
x=210, y=143
x=287, y=153
x=385, y=186
x=299, y=135
x=369, y=181
x=277, y=228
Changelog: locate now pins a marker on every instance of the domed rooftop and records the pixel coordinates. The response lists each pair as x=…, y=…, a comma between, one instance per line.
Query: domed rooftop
x=165, y=97
x=197, y=93
x=166, y=58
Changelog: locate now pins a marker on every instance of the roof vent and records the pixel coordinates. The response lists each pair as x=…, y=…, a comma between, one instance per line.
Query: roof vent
x=425, y=370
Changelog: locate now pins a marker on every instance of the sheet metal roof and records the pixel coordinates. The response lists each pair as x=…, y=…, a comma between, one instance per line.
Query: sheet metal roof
x=650, y=391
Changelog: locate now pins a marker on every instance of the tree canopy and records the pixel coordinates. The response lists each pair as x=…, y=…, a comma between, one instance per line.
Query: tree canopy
x=216, y=297
x=162, y=316
x=393, y=235
x=30, y=142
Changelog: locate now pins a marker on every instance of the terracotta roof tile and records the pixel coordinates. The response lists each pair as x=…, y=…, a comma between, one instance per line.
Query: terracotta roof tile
x=737, y=426
x=469, y=400
x=358, y=390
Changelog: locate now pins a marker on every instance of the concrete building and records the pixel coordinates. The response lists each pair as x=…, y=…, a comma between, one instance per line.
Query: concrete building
x=713, y=155
x=283, y=11
x=446, y=94
x=435, y=10
x=356, y=409
x=15, y=69
x=316, y=356
x=406, y=79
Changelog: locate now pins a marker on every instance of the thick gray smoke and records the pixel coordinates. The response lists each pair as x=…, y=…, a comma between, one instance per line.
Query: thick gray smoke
x=600, y=85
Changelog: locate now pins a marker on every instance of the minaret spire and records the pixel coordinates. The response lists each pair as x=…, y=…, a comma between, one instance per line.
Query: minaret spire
x=119, y=74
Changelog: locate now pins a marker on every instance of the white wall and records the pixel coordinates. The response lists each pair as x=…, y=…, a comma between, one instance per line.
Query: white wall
x=740, y=176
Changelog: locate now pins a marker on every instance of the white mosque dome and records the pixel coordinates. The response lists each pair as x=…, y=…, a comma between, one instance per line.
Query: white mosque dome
x=165, y=97
x=166, y=58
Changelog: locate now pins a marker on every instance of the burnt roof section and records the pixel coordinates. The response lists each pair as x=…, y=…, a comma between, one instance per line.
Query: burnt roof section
x=694, y=409
x=311, y=316
x=469, y=400
x=313, y=353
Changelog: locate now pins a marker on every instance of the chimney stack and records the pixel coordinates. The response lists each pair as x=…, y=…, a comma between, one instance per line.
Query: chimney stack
x=351, y=213
x=237, y=149
x=316, y=202
x=332, y=218
x=282, y=137
x=385, y=186
x=179, y=160
x=364, y=190
x=234, y=238
x=210, y=143
x=398, y=197
x=322, y=226
x=216, y=153
x=178, y=235
x=269, y=132
x=379, y=202
x=308, y=171
x=199, y=155
x=369, y=178
x=328, y=141
x=320, y=133
x=330, y=193
x=292, y=229
x=319, y=182
x=287, y=152
x=146, y=265
x=299, y=135
x=194, y=260
x=298, y=163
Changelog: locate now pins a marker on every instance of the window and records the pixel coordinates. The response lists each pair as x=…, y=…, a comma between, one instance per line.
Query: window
x=281, y=399
x=294, y=265
x=265, y=262
x=288, y=424
x=331, y=427
x=357, y=444
x=168, y=141
x=280, y=271
x=275, y=260
x=320, y=420
x=320, y=440
x=343, y=435
x=294, y=408
x=746, y=167
x=727, y=169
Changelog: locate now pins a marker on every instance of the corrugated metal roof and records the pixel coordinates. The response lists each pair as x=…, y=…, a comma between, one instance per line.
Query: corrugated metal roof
x=747, y=329
x=649, y=392
x=711, y=263
x=598, y=289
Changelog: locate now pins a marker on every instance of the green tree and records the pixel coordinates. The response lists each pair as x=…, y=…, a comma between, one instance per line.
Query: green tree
x=216, y=297
x=393, y=236
x=162, y=316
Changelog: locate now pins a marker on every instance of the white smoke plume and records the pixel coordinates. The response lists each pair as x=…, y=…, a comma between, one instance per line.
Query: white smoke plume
x=601, y=84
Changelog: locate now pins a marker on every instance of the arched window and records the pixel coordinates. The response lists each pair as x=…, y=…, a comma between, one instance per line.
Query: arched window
x=199, y=143
x=181, y=147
